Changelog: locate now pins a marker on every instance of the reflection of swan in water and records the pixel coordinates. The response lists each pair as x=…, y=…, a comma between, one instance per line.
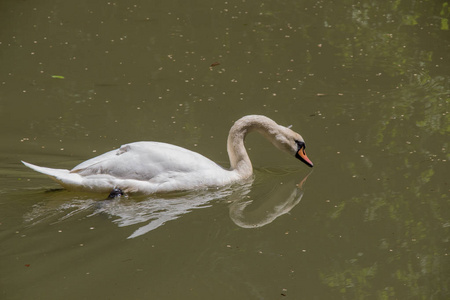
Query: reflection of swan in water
x=128, y=211
x=280, y=201
x=156, y=211
x=161, y=210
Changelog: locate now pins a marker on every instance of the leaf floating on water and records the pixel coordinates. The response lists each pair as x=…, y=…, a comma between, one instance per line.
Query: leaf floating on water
x=58, y=76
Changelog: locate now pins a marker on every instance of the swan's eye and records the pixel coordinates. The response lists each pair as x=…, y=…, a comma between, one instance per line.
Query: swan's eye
x=300, y=145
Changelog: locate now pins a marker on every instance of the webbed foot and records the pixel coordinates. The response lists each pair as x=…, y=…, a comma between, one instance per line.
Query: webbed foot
x=115, y=193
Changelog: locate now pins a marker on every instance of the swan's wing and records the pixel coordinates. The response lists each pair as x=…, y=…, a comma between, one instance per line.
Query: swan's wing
x=145, y=160
x=95, y=161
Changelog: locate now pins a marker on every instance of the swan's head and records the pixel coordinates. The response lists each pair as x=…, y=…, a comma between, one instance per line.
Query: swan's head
x=281, y=137
x=291, y=142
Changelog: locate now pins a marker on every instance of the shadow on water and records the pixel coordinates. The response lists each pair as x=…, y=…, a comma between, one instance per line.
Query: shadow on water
x=254, y=204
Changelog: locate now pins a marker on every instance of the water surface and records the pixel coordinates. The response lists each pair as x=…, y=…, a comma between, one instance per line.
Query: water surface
x=366, y=83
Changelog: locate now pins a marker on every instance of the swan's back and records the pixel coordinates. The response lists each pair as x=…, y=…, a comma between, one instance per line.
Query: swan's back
x=145, y=161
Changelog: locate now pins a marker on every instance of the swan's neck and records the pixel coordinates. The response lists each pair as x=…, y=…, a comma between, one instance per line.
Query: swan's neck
x=239, y=160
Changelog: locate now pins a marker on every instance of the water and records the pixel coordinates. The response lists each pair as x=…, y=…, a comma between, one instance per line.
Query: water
x=366, y=84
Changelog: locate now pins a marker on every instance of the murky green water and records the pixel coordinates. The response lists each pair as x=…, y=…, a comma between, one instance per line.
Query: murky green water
x=366, y=83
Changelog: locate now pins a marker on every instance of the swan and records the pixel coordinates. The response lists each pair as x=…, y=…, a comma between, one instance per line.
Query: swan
x=154, y=167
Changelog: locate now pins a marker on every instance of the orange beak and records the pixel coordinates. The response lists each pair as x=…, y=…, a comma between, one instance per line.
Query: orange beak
x=302, y=156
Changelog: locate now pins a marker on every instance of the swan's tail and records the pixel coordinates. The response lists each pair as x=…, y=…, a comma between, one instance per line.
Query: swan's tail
x=62, y=176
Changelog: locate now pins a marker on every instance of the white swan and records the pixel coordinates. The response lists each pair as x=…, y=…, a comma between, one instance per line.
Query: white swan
x=152, y=167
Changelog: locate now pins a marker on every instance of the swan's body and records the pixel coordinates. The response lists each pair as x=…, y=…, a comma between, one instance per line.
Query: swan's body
x=152, y=167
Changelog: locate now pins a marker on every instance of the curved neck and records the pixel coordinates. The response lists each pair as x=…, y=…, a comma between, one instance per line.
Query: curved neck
x=239, y=160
